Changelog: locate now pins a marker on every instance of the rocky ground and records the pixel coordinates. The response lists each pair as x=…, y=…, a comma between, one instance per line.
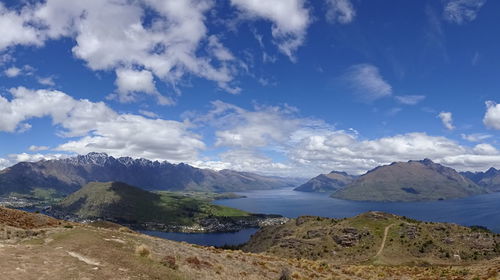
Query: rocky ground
x=38, y=247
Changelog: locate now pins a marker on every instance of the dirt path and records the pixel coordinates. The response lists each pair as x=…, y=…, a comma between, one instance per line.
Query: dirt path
x=386, y=231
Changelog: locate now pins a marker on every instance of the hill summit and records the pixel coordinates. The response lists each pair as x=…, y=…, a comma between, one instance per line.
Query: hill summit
x=410, y=181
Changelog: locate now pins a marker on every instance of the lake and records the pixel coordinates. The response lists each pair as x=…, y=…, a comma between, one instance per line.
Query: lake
x=207, y=239
x=481, y=210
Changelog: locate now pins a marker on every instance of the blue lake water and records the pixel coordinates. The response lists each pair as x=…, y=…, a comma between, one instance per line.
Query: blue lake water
x=481, y=210
x=207, y=239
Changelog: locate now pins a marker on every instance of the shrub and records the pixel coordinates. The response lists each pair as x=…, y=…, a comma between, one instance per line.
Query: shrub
x=285, y=274
x=143, y=250
x=169, y=261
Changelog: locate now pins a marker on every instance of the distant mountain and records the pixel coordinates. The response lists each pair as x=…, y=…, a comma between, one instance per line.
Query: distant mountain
x=489, y=179
x=410, y=181
x=327, y=182
x=68, y=175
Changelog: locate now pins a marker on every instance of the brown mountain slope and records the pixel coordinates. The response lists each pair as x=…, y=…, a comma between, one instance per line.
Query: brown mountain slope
x=410, y=181
x=90, y=252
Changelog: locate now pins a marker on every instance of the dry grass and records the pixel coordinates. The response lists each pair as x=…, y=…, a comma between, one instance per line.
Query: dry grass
x=143, y=250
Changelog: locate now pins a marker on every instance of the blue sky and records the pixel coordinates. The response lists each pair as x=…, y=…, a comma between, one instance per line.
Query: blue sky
x=284, y=87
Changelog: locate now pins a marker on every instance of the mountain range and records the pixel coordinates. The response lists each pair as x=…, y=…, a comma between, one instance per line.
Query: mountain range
x=405, y=181
x=489, y=179
x=330, y=182
x=68, y=175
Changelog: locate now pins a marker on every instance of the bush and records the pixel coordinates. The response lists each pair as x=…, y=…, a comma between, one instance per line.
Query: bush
x=285, y=274
x=169, y=261
x=143, y=250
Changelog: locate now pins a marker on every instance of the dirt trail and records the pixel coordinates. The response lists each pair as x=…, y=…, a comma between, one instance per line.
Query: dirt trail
x=386, y=231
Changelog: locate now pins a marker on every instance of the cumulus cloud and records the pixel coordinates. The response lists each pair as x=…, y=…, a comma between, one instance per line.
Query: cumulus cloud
x=307, y=147
x=447, y=120
x=75, y=117
x=12, y=72
x=289, y=17
x=341, y=11
x=12, y=159
x=248, y=161
x=367, y=82
x=409, y=99
x=16, y=28
x=339, y=150
x=113, y=35
x=99, y=128
x=263, y=126
x=129, y=82
x=492, y=117
x=462, y=11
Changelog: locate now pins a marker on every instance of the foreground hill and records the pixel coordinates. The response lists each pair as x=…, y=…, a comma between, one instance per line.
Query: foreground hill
x=327, y=182
x=489, y=179
x=106, y=251
x=376, y=237
x=125, y=204
x=67, y=175
x=410, y=181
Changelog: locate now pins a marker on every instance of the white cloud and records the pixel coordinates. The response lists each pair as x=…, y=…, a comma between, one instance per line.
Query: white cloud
x=462, y=11
x=76, y=117
x=129, y=82
x=132, y=135
x=307, y=147
x=25, y=157
x=112, y=34
x=149, y=114
x=485, y=149
x=341, y=11
x=410, y=99
x=475, y=137
x=12, y=72
x=447, y=120
x=16, y=28
x=289, y=17
x=99, y=128
x=34, y=148
x=263, y=126
x=46, y=81
x=492, y=117
x=248, y=161
x=366, y=82
x=340, y=150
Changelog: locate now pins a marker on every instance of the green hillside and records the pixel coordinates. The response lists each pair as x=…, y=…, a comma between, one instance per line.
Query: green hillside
x=125, y=203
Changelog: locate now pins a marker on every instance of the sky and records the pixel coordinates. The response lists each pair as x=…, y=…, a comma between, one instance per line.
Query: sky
x=278, y=87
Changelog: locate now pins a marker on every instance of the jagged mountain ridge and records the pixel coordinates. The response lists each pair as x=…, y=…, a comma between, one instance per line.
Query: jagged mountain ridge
x=327, y=182
x=410, y=181
x=68, y=175
x=489, y=179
